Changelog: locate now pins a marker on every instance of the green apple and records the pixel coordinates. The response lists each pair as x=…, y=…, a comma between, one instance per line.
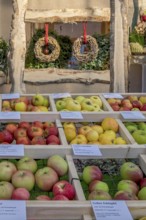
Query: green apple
x=58, y=163
x=99, y=195
x=128, y=185
x=142, y=126
x=73, y=105
x=20, y=107
x=139, y=136
x=38, y=100
x=60, y=104
x=96, y=107
x=142, y=194
x=6, y=190
x=98, y=185
x=46, y=102
x=27, y=163
x=96, y=100
x=91, y=173
x=131, y=128
x=142, y=99
x=87, y=105
x=7, y=169
x=79, y=98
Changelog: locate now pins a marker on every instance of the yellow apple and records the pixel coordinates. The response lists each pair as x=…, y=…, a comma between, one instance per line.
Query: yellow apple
x=78, y=140
x=97, y=128
x=110, y=124
x=82, y=138
x=73, y=105
x=119, y=140
x=87, y=105
x=70, y=133
x=96, y=107
x=69, y=125
x=46, y=102
x=97, y=100
x=92, y=135
x=84, y=129
x=111, y=133
x=43, y=108
x=79, y=98
x=105, y=139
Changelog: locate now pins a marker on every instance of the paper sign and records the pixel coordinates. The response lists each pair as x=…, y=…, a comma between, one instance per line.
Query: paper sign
x=60, y=95
x=132, y=115
x=12, y=210
x=71, y=115
x=111, y=210
x=113, y=95
x=11, y=150
x=86, y=150
x=11, y=96
x=9, y=115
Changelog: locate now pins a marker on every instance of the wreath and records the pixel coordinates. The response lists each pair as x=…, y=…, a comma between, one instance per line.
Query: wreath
x=90, y=54
x=52, y=47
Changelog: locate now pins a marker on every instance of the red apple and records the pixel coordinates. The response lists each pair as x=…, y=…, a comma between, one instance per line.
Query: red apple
x=24, y=99
x=48, y=124
x=115, y=106
x=38, y=124
x=51, y=131
x=2, y=137
x=63, y=187
x=54, y=139
x=38, y=140
x=11, y=127
x=34, y=131
x=29, y=107
x=128, y=185
x=43, y=197
x=125, y=101
x=24, y=124
x=20, y=194
x=143, y=108
x=99, y=195
x=136, y=104
x=20, y=132
x=60, y=197
x=91, y=173
x=8, y=137
x=124, y=195
x=23, y=140
x=132, y=98
x=142, y=182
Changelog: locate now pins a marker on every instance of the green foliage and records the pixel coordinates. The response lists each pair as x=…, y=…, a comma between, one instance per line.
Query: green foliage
x=134, y=37
x=102, y=62
x=3, y=55
x=66, y=50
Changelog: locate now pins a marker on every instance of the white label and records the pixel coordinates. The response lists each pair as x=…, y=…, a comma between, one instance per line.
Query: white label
x=12, y=210
x=113, y=95
x=11, y=96
x=111, y=210
x=71, y=115
x=9, y=115
x=86, y=150
x=11, y=150
x=132, y=115
x=60, y=95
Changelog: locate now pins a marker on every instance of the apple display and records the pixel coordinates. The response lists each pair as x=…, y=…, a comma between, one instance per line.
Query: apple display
x=98, y=185
x=99, y=195
x=58, y=163
x=23, y=179
x=63, y=187
x=27, y=163
x=20, y=194
x=45, y=178
x=6, y=190
x=91, y=173
x=7, y=169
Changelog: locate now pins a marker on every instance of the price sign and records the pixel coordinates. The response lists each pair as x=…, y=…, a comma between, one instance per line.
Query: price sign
x=10, y=115
x=11, y=96
x=113, y=95
x=12, y=210
x=132, y=115
x=111, y=210
x=71, y=115
x=86, y=150
x=60, y=95
x=11, y=150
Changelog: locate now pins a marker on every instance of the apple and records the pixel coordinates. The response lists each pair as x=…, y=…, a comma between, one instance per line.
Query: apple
x=48, y=124
x=23, y=140
x=99, y=195
x=128, y=105
x=97, y=100
x=97, y=128
x=136, y=104
x=24, y=99
x=38, y=124
x=115, y=107
x=6, y=190
x=119, y=140
x=87, y=105
x=142, y=126
x=35, y=109
x=60, y=104
x=20, y=132
x=34, y=131
x=69, y=125
x=79, y=139
x=130, y=171
x=46, y=102
x=142, y=99
x=58, y=163
x=79, y=98
x=51, y=131
x=91, y=173
x=124, y=108
x=8, y=137
x=38, y=100
x=20, y=106
x=111, y=101
x=142, y=182
x=98, y=185
x=6, y=103
x=29, y=108
x=53, y=138
x=7, y=169
x=23, y=179
x=142, y=193
x=143, y=108
x=84, y=129
x=128, y=185
x=92, y=135
x=11, y=127
x=139, y=136
x=110, y=124
x=124, y=195
x=132, y=98
x=43, y=197
x=27, y=163
x=42, y=108
x=106, y=139
x=20, y=194
x=73, y=105
x=63, y=187
x=38, y=140
x=45, y=178
x=70, y=133
x=131, y=128
x=135, y=109
x=60, y=197
x=2, y=137
x=111, y=134
x=12, y=103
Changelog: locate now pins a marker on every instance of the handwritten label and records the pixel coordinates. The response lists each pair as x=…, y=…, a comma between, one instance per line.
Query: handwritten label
x=132, y=115
x=86, y=150
x=60, y=95
x=12, y=210
x=11, y=150
x=9, y=115
x=113, y=95
x=111, y=210
x=11, y=96
x=71, y=115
